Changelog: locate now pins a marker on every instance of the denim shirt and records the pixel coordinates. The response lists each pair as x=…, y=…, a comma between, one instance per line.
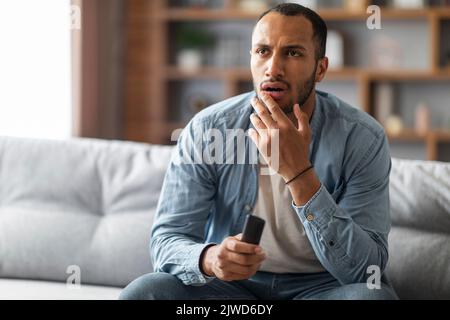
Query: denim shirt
x=347, y=221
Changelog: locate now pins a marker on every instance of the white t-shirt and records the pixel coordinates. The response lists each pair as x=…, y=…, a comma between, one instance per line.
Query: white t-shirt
x=284, y=239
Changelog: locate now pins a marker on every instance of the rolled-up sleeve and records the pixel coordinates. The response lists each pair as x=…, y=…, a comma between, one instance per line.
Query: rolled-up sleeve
x=183, y=209
x=350, y=234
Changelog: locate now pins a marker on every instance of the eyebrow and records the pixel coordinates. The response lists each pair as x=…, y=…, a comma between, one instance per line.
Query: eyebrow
x=293, y=46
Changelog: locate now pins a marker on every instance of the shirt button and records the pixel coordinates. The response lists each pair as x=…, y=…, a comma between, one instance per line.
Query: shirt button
x=248, y=207
x=310, y=217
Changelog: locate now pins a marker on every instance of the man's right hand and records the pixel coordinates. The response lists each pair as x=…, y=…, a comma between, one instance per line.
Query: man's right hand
x=233, y=259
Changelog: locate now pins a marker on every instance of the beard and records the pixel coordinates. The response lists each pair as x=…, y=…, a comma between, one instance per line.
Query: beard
x=306, y=89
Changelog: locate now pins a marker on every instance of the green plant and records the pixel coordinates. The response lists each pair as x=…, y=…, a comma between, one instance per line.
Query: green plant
x=191, y=38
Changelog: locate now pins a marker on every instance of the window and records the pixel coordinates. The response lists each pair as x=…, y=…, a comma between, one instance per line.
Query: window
x=35, y=68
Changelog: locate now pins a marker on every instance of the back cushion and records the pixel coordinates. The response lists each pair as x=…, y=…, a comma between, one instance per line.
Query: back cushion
x=420, y=195
x=81, y=202
x=419, y=242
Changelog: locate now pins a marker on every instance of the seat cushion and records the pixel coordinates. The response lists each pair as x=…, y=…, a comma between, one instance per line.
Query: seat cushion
x=45, y=290
x=419, y=263
x=39, y=244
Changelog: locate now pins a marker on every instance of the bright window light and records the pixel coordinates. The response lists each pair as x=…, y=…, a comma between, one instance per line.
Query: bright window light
x=35, y=69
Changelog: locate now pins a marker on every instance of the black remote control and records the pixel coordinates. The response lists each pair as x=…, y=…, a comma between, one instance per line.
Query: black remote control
x=253, y=229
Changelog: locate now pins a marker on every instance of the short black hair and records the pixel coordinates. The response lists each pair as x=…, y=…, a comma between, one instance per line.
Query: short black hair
x=318, y=24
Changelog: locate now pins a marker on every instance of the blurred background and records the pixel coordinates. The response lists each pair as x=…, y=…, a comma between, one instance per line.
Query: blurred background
x=139, y=69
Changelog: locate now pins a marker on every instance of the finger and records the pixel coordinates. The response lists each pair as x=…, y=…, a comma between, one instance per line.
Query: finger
x=227, y=266
x=246, y=259
x=264, y=145
x=254, y=135
x=277, y=114
x=298, y=115
x=257, y=123
x=258, y=249
x=259, y=126
x=264, y=114
x=302, y=118
x=238, y=269
x=235, y=245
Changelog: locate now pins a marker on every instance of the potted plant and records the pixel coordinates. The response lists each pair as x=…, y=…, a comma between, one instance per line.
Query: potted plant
x=192, y=43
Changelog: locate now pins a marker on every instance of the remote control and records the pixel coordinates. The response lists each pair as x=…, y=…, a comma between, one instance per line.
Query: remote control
x=253, y=229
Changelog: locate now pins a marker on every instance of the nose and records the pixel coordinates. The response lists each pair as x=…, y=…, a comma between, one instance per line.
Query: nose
x=275, y=67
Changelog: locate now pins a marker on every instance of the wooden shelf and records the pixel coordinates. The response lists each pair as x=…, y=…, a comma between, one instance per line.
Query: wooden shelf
x=187, y=14
x=388, y=14
x=389, y=75
x=443, y=13
x=205, y=15
x=441, y=135
x=348, y=73
x=174, y=73
x=408, y=135
x=148, y=76
x=431, y=140
x=412, y=135
x=408, y=75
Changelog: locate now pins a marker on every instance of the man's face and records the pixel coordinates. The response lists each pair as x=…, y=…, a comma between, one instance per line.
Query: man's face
x=283, y=59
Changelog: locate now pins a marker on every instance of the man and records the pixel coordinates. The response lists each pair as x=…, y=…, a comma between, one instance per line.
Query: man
x=326, y=208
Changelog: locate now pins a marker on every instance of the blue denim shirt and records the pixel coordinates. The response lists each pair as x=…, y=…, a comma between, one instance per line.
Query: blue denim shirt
x=203, y=203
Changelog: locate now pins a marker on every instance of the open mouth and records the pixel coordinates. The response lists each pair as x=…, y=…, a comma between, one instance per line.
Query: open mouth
x=276, y=90
x=270, y=89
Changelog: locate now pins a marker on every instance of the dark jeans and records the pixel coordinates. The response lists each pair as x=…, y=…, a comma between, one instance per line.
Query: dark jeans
x=264, y=285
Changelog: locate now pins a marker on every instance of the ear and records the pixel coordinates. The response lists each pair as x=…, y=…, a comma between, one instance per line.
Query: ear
x=322, y=67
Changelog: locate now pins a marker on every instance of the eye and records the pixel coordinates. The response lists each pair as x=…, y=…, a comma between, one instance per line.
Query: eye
x=262, y=51
x=294, y=53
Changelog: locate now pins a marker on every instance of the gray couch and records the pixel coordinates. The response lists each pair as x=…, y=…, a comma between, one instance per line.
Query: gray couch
x=89, y=204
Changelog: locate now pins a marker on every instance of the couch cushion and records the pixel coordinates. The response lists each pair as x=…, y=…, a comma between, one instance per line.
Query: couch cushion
x=420, y=195
x=45, y=290
x=419, y=242
x=81, y=202
x=419, y=263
